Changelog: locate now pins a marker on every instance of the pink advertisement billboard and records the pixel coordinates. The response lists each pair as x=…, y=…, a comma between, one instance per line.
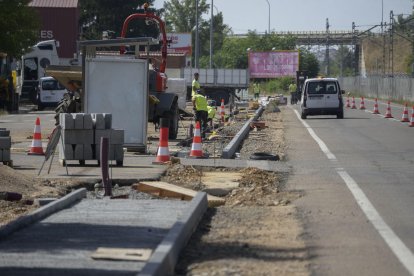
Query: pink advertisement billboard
x=273, y=64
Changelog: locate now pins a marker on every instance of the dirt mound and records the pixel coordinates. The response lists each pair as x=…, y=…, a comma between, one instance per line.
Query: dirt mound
x=13, y=181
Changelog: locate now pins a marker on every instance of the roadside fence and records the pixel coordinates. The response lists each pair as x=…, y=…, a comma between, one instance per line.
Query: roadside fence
x=389, y=88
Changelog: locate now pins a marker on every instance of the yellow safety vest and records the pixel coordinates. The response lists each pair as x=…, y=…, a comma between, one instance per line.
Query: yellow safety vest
x=211, y=112
x=195, y=86
x=200, y=102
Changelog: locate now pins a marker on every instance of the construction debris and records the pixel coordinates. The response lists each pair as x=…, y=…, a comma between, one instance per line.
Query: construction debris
x=163, y=189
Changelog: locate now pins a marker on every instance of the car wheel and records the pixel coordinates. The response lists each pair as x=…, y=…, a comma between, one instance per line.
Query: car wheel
x=340, y=115
x=303, y=116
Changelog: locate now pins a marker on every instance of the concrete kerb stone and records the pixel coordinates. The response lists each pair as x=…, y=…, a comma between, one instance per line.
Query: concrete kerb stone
x=42, y=212
x=165, y=256
x=231, y=148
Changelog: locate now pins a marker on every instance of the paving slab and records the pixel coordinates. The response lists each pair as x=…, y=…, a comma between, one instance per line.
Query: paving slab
x=62, y=244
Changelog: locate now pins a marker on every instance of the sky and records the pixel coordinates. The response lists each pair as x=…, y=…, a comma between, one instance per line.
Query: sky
x=305, y=15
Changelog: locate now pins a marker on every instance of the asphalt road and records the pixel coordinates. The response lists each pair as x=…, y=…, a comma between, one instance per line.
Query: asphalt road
x=358, y=178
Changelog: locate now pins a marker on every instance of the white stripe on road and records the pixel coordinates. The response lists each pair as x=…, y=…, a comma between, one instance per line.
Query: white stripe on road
x=321, y=144
x=400, y=250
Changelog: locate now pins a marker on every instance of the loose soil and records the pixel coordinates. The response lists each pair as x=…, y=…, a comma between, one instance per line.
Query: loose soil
x=257, y=231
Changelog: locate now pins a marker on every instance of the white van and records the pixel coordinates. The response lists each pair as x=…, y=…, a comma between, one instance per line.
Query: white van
x=49, y=92
x=322, y=96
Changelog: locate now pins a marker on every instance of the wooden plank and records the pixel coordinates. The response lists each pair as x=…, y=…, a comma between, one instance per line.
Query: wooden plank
x=164, y=189
x=122, y=254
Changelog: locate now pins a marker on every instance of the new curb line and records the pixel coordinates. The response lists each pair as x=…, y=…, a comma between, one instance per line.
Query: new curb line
x=231, y=148
x=165, y=256
x=42, y=212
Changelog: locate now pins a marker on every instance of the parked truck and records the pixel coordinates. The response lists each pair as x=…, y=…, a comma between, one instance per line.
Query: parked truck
x=126, y=85
x=218, y=84
x=34, y=63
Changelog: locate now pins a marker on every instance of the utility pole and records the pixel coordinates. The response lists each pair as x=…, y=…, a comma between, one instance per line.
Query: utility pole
x=327, y=49
x=211, y=35
x=268, y=26
x=354, y=59
x=391, y=48
x=196, y=37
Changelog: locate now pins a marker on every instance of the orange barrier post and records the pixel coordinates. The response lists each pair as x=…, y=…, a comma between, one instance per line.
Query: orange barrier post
x=362, y=104
x=388, y=113
x=404, y=117
x=348, y=105
x=222, y=112
x=376, y=111
x=36, y=148
x=163, y=154
x=353, y=103
x=196, y=147
x=412, y=118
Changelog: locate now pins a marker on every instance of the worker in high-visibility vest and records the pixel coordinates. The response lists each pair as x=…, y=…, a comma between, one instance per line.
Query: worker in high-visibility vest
x=201, y=110
x=195, y=85
x=256, y=90
x=211, y=114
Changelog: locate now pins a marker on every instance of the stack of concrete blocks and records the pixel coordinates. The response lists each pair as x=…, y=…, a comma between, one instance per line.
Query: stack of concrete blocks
x=81, y=134
x=5, y=145
x=77, y=137
x=103, y=122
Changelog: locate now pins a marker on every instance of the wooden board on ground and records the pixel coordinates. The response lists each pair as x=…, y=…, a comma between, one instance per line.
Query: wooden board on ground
x=164, y=189
x=122, y=254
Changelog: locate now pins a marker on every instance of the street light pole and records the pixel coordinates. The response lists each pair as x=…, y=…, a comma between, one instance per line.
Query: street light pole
x=268, y=27
x=196, y=38
x=211, y=36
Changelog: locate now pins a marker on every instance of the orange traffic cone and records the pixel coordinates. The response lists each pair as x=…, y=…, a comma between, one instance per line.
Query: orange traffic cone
x=376, y=111
x=348, y=105
x=404, y=118
x=362, y=104
x=353, y=103
x=412, y=118
x=163, y=154
x=222, y=112
x=36, y=148
x=196, y=147
x=388, y=113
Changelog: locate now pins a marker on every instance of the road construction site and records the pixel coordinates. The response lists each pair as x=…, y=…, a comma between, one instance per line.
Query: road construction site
x=154, y=208
x=301, y=215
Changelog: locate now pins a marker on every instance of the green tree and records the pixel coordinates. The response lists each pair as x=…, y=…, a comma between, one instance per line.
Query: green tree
x=19, y=27
x=308, y=62
x=180, y=15
x=109, y=15
x=220, y=31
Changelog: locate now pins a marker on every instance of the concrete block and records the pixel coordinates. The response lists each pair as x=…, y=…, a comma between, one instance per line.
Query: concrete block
x=65, y=151
x=117, y=137
x=44, y=201
x=5, y=155
x=5, y=142
x=78, y=153
x=87, y=152
x=77, y=136
x=87, y=121
x=66, y=121
x=4, y=133
x=116, y=152
x=102, y=120
x=78, y=118
x=105, y=133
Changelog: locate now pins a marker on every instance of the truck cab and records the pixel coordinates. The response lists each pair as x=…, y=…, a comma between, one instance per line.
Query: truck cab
x=34, y=63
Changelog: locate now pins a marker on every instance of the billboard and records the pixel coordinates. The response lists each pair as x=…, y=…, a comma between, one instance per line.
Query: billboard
x=273, y=64
x=180, y=43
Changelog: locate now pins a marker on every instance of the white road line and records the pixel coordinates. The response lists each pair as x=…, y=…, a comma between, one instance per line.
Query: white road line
x=400, y=250
x=321, y=144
